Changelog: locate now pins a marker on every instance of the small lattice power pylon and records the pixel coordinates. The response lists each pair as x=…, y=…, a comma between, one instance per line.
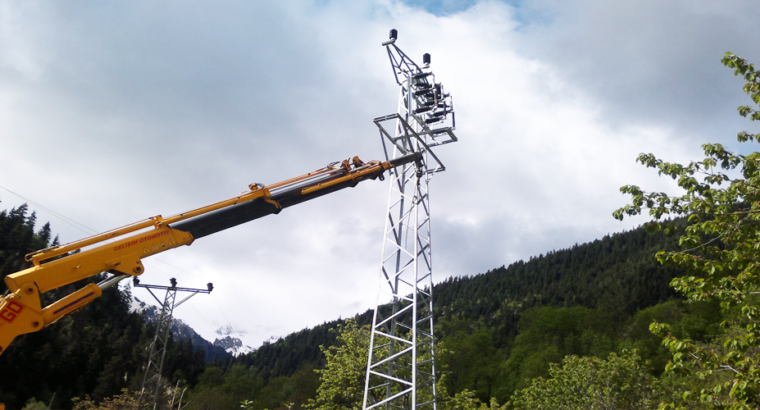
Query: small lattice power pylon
x=152, y=380
x=401, y=362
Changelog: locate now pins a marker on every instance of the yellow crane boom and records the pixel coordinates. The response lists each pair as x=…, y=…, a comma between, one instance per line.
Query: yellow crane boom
x=121, y=250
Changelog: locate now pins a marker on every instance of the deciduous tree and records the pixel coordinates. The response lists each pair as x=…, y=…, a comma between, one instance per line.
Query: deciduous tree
x=620, y=383
x=342, y=379
x=721, y=250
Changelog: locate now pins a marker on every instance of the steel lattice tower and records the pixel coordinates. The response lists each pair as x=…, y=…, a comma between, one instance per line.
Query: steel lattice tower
x=401, y=362
x=152, y=380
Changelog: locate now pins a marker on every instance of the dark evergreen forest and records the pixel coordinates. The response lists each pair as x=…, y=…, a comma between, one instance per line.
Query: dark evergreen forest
x=500, y=329
x=97, y=351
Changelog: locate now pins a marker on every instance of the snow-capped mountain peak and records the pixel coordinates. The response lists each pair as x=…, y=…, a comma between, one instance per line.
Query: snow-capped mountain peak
x=231, y=341
x=179, y=329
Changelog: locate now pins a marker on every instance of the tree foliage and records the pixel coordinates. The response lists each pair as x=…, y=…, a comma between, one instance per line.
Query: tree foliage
x=18, y=238
x=342, y=379
x=215, y=389
x=719, y=249
x=471, y=360
x=127, y=400
x=620, y=383
x=466, y=400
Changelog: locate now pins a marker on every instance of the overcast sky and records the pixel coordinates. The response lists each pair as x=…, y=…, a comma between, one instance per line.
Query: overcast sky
x=111, y=112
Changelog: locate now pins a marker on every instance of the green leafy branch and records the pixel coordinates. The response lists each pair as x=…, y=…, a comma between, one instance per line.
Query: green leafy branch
x=721, y=254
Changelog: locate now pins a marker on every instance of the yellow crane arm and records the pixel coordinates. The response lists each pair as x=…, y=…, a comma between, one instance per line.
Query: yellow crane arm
x=121, y=250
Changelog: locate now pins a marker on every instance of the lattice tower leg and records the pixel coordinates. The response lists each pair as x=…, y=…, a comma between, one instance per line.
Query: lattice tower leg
x=401, y=366
x=154, y=368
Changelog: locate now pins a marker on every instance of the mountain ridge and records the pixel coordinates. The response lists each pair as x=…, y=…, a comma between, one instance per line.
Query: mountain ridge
x=181, y=331
x=618, y=273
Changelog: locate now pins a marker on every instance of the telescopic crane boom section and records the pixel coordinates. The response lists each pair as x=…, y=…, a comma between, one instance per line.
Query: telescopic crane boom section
x=20, y=308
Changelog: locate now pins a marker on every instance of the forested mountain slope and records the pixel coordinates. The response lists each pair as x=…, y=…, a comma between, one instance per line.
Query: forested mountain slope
x=617, y=273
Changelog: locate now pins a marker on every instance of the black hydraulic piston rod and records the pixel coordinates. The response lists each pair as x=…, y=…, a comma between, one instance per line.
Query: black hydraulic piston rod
x=234, y=215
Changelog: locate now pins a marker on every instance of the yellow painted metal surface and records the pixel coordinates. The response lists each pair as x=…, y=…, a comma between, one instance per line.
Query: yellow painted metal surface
x=20, y=310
